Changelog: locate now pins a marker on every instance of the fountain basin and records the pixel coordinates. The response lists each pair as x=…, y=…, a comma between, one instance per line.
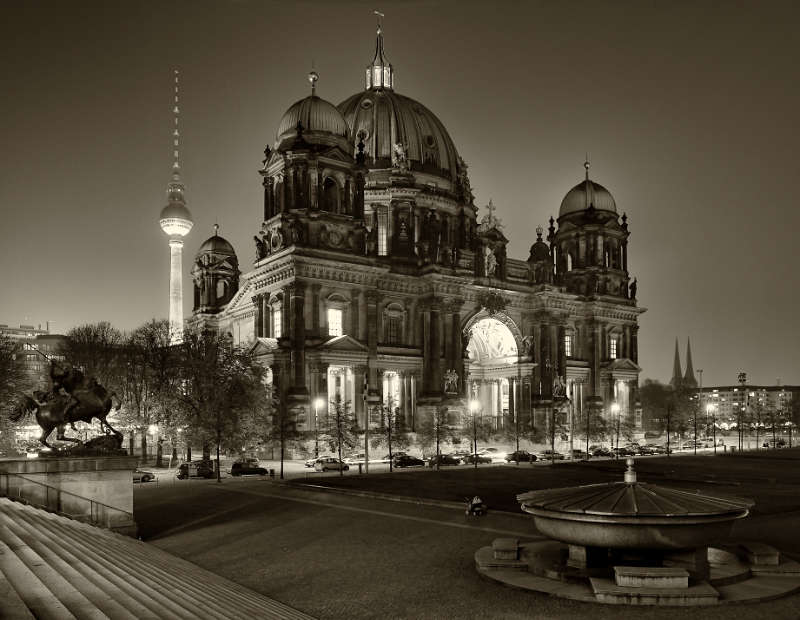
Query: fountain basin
x=633, y=515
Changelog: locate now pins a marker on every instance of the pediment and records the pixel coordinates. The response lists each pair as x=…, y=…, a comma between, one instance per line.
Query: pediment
x=263, y=346
x=344, y=343
x=622, y=364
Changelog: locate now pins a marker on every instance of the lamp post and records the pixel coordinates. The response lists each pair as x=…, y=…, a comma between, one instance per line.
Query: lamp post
x=710, y=407
x=697, y=409
x=615, y=411
x=474, y=405
x=317, y=405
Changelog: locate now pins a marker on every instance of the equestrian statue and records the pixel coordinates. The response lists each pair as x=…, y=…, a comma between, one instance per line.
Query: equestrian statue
x=72, y=398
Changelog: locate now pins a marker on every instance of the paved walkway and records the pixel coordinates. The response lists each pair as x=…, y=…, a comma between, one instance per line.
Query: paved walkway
x=339, y=556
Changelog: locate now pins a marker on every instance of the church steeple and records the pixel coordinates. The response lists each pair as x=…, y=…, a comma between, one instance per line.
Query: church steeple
x=688, y=378
x=379, y=71
x=677, y=378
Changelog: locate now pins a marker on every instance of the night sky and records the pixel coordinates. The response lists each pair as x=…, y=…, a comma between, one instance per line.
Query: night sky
x=688, y=111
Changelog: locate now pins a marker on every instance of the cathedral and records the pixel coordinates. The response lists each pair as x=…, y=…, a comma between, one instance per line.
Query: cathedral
x=373, y=278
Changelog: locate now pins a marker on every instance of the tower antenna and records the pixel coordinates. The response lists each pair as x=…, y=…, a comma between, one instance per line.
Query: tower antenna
x=176, y=134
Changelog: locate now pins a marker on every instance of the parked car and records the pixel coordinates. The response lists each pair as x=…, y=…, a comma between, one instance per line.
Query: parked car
x=442, y=460
x=577, y=455
x=777, y=443
x=654, y=448
x=634, y=448
x=328, y=463
x=406, y=460
x=196, y=469
x=496, y=454
x=140, y=475
x=520, y=456
x=248, y=467
x=547, y=455
x=597, y=450
x=471, y=459
x=622, y=452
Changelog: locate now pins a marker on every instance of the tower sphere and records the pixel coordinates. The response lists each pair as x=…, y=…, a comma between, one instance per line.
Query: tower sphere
x=176, y=220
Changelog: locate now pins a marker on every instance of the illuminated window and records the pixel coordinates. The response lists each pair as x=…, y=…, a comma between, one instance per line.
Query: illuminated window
x=613, y=348
x=568, y=345
x=334, y=322
x=277, y=320
x=383, y=224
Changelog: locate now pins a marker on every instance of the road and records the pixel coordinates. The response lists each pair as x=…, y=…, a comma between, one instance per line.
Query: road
x=342, y=556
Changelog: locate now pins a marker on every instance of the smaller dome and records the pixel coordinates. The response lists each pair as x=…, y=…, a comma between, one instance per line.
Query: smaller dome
x=584, y=194
x=217, y=245
x=539, y=250
x=316, y=116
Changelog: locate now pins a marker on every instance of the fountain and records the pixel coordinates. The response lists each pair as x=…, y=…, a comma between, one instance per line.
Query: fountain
x=630, y=542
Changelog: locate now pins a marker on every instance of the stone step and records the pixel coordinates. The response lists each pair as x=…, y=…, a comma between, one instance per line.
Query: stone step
x=187, y=575
x=106, y=556
x=607, y=591
x=144, y=579
x=42, y=603
x=92, y=584
x=12, y=607
x=72, y=598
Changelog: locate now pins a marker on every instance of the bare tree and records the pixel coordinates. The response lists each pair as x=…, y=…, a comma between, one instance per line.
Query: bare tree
x=340, y=427
x=282, y=423
x=94, y=348
x=436, y=429
x=388, y=433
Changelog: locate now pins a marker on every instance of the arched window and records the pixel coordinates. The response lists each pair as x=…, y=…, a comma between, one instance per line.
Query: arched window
x=221, y=290
x=330, y=195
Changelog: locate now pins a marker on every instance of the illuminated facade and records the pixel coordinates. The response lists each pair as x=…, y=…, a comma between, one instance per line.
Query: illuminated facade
x=372, y=268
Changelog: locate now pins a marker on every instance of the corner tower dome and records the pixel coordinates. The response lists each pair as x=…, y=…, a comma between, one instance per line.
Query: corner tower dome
x=382, y=119
x=587, y=193
x=313, y=120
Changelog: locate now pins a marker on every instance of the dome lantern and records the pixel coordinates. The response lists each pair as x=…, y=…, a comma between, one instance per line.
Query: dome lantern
x=379, y=71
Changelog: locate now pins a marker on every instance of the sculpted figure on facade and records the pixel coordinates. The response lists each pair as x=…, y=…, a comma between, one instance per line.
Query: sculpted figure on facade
x=261, y=248
x=559, y=387
x=489, y=261
x=633, y=289
x=399, y=157
x=451, y=382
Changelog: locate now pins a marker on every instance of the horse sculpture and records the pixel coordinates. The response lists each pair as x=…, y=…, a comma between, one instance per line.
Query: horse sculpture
x=73, y=398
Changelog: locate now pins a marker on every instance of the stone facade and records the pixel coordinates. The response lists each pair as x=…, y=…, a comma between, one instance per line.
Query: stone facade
x=374, y=278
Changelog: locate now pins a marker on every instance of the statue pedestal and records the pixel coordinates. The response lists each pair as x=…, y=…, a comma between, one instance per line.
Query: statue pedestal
x=94, y=489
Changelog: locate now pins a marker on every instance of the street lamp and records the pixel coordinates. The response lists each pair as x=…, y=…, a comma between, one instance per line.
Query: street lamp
x=317, y=404
x=615, y=410
x=696, y=410
x=710, y=408
x=474, y=405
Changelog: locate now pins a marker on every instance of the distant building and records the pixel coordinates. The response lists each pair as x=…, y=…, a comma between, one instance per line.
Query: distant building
x=36, y=344
x=686, y=379
x=727, y=402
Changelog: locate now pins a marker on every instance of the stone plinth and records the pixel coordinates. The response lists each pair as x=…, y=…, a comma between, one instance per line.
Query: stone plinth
x=95, y=489
x=505, y=548
x=760, y=554
x=651, y=577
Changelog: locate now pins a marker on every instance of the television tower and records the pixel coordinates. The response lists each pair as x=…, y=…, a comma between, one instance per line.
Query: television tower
x=176, y=221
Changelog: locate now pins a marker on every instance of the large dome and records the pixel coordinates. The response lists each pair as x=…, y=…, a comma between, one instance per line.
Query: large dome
x=320, y=119
x=584, y=194
x=382, y=118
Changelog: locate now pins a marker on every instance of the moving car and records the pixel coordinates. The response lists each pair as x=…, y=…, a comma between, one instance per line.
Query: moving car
x=471, y=459
x=313, y=460
x=196, y=469
x=140, y=475
x=520, y=456
x=247, y=467
x=355, y=459
x=405, y=460
x=442, y=460
x=328, y=463
x=496, y=454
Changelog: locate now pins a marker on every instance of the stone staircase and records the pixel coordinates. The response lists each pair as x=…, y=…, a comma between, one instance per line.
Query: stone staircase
x=53, y=567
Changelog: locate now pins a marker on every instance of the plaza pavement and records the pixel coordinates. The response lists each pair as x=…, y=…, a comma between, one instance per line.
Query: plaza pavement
x=337, y=555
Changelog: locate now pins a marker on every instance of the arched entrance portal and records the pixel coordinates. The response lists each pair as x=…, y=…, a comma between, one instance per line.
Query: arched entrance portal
x=494, y=371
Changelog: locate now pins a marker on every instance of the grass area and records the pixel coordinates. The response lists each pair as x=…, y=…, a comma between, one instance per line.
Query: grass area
x=771, y=478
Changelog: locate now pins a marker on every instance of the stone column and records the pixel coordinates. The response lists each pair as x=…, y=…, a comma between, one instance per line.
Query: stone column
x=373, y=297
x=405, y=410
x=512, y=401
x=562, y=351
x=266, y=317
x=354, y=303
x=432, y=347
x=296, y=294
x=315, y=310
x=359, y=372
x=635, y=344
x=258, y=316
